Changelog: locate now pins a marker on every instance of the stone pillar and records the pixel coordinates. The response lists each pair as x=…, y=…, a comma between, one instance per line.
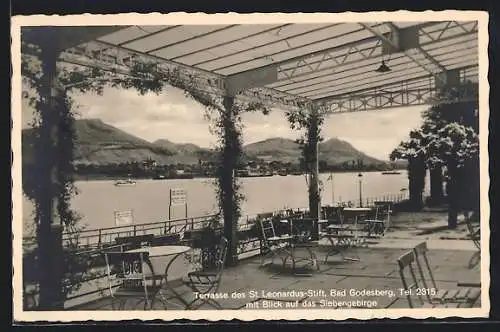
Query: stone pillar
x=226, y=173
x=49, y=228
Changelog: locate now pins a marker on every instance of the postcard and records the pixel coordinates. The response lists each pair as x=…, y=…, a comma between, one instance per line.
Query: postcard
x=250, y=166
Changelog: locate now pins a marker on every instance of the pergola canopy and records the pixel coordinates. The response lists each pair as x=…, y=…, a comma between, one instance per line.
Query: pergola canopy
x=289, y=65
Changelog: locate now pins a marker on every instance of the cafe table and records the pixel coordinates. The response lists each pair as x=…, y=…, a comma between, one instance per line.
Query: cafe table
x=338, y=234
x=355, y=213
x=162, y=257
x=307, y=245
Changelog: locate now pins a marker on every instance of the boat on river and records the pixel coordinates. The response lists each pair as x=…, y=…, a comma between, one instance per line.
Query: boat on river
x=127, y=182
x=391, y=173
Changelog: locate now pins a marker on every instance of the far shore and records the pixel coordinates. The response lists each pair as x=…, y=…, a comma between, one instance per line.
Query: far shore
x=105, y=177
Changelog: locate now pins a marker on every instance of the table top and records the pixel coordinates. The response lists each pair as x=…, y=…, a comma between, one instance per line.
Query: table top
x=162, y=250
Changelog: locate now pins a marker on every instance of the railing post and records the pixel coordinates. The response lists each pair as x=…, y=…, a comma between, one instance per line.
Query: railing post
x=135, y=230
x=99, y=240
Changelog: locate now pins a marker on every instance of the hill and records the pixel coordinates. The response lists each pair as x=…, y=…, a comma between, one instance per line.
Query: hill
x=100, y=143
x=185, y=153
x=332, y=151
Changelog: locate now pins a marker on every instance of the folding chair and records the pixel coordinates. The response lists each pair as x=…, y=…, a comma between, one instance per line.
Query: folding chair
x=271, y=244
x=205, y=283
x=412, y=287
x=128, y=278
x=467, y=295
x=382, y=221
x=474, y=230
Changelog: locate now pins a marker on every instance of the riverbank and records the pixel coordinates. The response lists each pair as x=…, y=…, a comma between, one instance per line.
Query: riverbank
x=110, y=177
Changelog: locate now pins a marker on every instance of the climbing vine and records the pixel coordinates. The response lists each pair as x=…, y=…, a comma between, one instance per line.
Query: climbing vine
x=309, y=121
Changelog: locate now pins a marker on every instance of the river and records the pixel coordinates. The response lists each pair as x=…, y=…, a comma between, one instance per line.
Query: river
x=98, y=200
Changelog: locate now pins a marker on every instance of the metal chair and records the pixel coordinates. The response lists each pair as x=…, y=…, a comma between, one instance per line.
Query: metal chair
x=382, y=221
x=205, y=283
x=128, y=279
x=466, y=295
x=340, y=235
x=411, y=286
x=271, y=244
x=474, y=230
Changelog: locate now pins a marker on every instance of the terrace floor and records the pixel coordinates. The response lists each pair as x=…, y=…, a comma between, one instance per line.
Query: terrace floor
x=452, y=261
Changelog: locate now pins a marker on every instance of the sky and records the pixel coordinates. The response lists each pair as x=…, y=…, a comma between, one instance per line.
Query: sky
x=172, y=116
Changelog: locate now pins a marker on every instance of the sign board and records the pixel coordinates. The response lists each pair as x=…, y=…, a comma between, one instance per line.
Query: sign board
x=178, y=197
x=123, y=218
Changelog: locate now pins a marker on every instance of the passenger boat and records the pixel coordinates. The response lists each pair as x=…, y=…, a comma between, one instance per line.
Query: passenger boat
x=391, y=172
x=128, y=182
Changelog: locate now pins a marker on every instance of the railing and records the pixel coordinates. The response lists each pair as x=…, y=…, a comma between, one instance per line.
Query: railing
x=98, y=238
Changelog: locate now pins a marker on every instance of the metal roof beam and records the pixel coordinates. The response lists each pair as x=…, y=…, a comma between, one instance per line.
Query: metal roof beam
x=356, y=84
x=338, y=62
x=331, y=60
x=393, y=44
x=399, y=80
x=398, y=98
x=120, y=60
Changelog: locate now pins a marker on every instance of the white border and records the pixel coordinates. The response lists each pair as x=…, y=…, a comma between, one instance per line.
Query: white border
x=256, y=18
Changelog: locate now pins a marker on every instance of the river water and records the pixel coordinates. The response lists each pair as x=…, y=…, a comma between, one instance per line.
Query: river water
x=149, y=199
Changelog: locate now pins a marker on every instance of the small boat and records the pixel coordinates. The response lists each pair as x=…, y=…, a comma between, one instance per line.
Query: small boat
x=128, y=182
x=159, y=177
x=391, y=172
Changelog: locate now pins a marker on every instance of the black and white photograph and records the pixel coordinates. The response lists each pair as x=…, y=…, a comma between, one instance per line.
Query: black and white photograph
x=250, y=166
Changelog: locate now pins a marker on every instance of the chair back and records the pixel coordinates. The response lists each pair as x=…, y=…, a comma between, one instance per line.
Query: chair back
x=128, y=270
x=221, y=255
x=164, y=240
x=334, y=214
x=474, y=230
x=406, y=263
x=422, y=261
x=134, y=242
x=267, y=228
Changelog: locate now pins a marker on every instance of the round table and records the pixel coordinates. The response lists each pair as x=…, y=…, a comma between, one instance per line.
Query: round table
x=171, y=252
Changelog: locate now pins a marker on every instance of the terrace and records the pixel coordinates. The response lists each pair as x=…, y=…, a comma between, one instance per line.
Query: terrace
x=453, y=258
x=452, y=261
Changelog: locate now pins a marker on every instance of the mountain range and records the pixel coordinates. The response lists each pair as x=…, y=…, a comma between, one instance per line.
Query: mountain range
x=101, y=143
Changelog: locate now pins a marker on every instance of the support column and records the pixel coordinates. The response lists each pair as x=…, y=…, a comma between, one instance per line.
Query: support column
x=49, y=228
x=227, y=184
x=314, y=194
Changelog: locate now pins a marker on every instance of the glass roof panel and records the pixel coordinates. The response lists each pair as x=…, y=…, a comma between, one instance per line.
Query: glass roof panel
x=232, y=33
x=229, y=47
x=175, y=35
x=366, y=84
x=291, y=52
x=131, y=32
